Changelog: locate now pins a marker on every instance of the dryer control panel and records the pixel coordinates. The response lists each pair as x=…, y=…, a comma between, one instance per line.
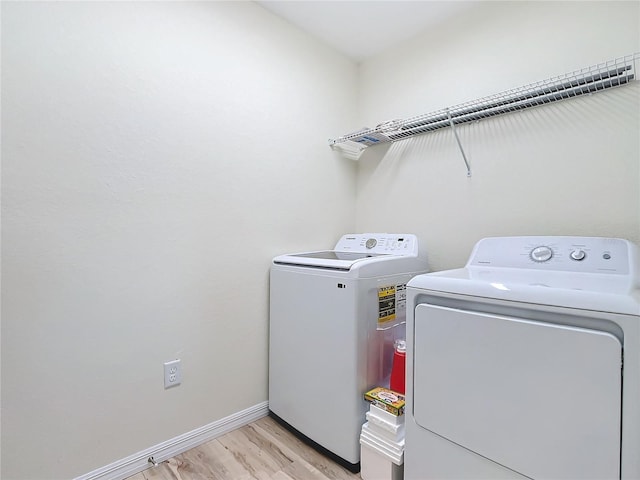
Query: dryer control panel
x=561, y=254
x=379, y=243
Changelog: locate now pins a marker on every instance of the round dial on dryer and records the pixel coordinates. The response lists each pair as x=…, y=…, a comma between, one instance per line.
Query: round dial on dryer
x=372, y=242
x=578, y=255
x=541, y=254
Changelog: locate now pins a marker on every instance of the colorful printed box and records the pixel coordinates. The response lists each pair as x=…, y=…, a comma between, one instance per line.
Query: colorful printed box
x=390, y=401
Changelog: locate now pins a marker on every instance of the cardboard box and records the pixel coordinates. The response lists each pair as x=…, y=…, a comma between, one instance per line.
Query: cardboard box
x=388, y=400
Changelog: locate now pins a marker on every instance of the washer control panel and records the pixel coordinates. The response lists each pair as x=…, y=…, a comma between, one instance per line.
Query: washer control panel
x=379, y=244
x=571, y=254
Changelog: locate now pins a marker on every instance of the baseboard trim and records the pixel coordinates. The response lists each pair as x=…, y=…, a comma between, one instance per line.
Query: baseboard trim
x=140, y=461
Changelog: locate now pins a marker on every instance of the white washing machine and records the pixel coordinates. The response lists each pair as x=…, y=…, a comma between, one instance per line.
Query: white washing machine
x=526, y=363
x=334, y=316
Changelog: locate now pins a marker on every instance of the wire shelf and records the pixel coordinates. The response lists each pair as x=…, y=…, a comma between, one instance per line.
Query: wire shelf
x=595, y=78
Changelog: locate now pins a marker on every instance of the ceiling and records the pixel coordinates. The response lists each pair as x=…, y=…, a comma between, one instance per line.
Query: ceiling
x=361, y=29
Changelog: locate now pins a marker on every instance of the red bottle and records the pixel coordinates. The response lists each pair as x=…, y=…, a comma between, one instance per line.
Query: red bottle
x=397, y=383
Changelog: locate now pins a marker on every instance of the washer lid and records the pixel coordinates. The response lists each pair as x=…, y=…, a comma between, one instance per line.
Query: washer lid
x=329, y=259
x=361, y=249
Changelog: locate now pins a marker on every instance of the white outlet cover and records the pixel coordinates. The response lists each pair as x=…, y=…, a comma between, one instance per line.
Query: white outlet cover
x=172, y=373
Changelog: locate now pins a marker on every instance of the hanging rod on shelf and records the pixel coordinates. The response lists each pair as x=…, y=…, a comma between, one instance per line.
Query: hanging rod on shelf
x=595, y=78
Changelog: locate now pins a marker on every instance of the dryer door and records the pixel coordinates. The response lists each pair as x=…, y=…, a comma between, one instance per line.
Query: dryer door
x=538, y=398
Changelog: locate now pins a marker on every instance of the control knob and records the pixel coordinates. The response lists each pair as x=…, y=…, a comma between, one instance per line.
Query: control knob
x=578, y=255
x=372, y=242
x=541, y=254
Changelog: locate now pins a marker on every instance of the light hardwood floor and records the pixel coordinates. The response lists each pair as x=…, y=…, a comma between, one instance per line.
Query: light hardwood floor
x=262, y=450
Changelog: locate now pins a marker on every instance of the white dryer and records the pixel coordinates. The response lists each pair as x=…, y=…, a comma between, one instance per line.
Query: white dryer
x=334, y=316
x=526, y=363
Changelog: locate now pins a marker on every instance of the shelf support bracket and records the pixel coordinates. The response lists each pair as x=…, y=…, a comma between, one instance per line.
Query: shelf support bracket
x=455, y=134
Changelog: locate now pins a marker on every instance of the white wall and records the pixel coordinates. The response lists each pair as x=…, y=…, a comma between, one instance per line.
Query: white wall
x=155, y=157
x=567, y=169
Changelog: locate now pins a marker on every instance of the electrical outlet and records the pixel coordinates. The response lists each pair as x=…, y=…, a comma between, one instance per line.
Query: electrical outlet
x=172, y=373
